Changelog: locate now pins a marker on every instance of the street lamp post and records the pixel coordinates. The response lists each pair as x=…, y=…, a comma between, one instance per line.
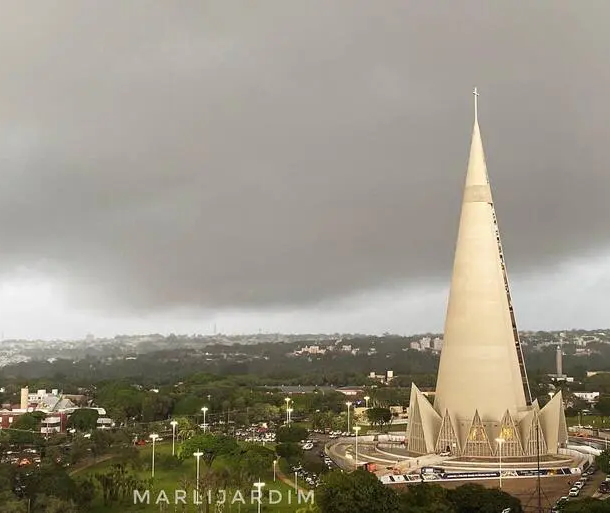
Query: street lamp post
x=204, y=410
x=357, y=430
x=289, y=413
x=259, y=485
x=500, y=441
x=173, y=423
x=348, y=404
x=274, y=465
x=287, y=399
x=197, y=455
x=153, y=437
x=366, y=400
x=296, y=483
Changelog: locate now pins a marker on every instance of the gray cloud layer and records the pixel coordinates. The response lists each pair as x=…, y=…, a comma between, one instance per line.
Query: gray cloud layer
x=241, y=154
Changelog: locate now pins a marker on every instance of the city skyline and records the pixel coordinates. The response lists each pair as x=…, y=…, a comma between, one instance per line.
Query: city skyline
x=217, y=165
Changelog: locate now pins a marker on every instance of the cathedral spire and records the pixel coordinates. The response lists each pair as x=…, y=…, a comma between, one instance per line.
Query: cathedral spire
x=479, y=345
x=481, y=370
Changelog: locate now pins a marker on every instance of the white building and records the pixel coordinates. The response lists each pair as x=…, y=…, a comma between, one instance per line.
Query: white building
x=590, y=397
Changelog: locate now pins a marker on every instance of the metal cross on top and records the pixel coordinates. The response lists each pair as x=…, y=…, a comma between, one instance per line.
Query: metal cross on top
x=476, y=102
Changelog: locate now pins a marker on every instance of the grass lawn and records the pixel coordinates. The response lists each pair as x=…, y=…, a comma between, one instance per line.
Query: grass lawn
x=170, y=480
x=597, y=421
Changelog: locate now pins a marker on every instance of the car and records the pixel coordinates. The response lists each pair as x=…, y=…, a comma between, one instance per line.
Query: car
x=574, y=492
x=444, y=453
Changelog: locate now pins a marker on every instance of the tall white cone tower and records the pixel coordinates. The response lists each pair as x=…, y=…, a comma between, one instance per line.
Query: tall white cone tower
x=482, y=391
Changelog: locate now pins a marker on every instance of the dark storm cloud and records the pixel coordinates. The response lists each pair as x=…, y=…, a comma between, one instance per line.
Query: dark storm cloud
x=236, y=154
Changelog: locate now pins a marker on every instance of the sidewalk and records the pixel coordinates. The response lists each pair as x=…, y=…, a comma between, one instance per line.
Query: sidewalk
x=286, y=480
x=90, y=463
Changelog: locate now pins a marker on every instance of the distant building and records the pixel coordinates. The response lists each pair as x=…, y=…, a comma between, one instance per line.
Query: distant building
x=350, y=391
x=559, y=361
x=593, y=373
x=559, y=375
x=590, y=397
x=382, y=378
x=310, y=350
x=56, y=407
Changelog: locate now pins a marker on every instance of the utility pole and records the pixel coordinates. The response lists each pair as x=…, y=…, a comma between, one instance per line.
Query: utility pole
x=538, y=462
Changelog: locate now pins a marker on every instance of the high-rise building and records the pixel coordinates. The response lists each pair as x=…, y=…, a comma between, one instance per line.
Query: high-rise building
x=559, y=361
x=482, y=392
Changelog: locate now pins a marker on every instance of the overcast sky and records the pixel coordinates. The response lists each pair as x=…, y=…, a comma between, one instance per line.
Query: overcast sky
x=295, y=165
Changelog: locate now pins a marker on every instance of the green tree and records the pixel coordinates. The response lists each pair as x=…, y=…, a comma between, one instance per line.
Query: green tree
x=474, y=498
x=212, y=446
x=291, y=434
x=7, y=477
x=101, y=441
x=603, y=405
x=80, y=449
x=50, y=480
x=85, y=492
x=254, y=459
x=379, y=416
x=123, y=401
x=26, y=428
x=185, y=428
x=118, y=484
x=289, y=451
x=156, y=406
x=49, y=504
x=603, y=461
x=84, y=419
x=425, y=498
x=340, y=492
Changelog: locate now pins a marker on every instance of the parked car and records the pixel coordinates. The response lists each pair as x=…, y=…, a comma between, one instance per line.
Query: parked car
x=574, y=491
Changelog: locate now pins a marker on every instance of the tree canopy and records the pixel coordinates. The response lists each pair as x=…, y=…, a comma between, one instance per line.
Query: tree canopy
x=84, y=419
x=291, y=434
x=379, y=416
x=212, y=446
x=340, y=492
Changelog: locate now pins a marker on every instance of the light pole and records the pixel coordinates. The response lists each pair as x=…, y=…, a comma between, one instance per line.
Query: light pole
x=197, y=455
x=289, y=412
x=366, y=400
x=274, y=465
x=259, y=485
x=296, y=484
x=153, y=437
x=173, y=423
x=287, y=399
x=204, y=410
x=348, y=404
x=357, y=430
x=500, y=441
